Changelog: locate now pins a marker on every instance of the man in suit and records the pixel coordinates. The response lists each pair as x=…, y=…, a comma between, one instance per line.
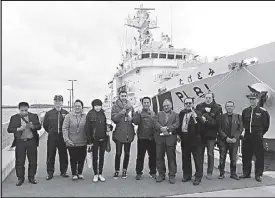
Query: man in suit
x=189, y=133
x=24, y=126
x=166, y=124
x=52, y=124
x=228, y=139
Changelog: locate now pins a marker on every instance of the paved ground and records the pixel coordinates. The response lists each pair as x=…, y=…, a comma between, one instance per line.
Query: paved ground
x=122, y=187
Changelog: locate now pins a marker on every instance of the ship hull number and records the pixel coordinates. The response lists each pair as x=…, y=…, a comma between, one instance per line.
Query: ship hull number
x=197, y=90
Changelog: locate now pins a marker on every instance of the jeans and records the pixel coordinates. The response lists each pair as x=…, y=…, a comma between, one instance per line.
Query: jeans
x=224, y=147
x=209, y=144
x=127, y=147
x=144, y=145
x=101, y=147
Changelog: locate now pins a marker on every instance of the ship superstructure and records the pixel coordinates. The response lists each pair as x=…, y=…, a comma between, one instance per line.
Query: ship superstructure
x=149, y=62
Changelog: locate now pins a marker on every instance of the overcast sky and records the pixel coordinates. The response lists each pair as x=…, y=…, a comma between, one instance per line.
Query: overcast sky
x=46, y=43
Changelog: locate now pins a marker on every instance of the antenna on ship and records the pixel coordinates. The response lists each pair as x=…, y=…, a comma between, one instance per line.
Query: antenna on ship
x=171, y=24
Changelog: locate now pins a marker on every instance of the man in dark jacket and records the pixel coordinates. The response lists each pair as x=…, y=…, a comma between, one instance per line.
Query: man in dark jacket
x=24, y=126
x=189, y=133
x=256, y=121
x=52, y=124
x=96, y=130
x=145, y=121
x=166, y=124
x=229, y=139
x=122, y=115
x=211, y=114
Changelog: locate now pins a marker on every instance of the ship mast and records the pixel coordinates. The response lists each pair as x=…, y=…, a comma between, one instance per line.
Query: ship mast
x=143, y=24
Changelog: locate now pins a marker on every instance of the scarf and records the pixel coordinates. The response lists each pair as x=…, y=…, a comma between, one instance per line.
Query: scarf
x=185, y=121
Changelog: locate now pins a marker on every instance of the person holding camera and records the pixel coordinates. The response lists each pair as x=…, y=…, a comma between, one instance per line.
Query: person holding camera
x=189, y=133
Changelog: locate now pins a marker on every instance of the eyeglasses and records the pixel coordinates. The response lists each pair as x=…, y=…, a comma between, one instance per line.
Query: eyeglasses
x=188, y=103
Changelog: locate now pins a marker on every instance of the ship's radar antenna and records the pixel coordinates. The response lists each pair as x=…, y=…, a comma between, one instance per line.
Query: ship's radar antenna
x=142, y=22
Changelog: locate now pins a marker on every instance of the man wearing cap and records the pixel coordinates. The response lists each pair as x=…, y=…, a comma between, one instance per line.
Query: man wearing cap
x=256, y=121
x=52, y=124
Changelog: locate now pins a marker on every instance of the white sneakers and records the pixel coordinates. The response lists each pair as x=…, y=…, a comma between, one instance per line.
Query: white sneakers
x=74, y=177
x=101, y=178
x=80, y=177
x=95, y=178
x=98, y=177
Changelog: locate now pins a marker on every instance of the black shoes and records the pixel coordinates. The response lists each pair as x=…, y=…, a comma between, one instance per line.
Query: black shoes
x=245, y=176
x=172, y=180
x=160, y=179
x=124, y=175
x=138, y=177
x=32, y=181
x=115, y=175
x=153, y=176
x=234, y=177
x=196, y=182
x=186, y=179
x=221, y=176
x=65, y=175
x=49, y=177
x=258, y=179
x=20, y=182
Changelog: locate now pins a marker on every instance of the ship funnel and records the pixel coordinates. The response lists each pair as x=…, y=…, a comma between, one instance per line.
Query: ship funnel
x=265, y=97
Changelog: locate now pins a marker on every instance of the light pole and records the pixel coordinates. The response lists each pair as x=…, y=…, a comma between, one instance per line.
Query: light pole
x=72, y=89
x=70, y=99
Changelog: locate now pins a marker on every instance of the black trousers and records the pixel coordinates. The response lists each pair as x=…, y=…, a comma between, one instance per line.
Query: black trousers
x=191, y=145
x=23, y=149
x=144, y=145
x=224, y=147
x=101, y=147
x=210, y=145
x=77, y=159
x=253, y=144
x=166, y=145
x=127, y=147
x=56, y=141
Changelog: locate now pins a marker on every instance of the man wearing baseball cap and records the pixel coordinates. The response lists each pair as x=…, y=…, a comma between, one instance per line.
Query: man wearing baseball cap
x=52, y=124
x=256, y=121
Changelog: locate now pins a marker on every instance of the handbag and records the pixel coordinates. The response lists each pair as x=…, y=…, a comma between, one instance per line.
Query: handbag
x=89, y=159
x=108, y=146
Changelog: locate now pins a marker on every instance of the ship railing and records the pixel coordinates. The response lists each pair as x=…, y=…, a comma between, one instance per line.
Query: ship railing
x=7, y=138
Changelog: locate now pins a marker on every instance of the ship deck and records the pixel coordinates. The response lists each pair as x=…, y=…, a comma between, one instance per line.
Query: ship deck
x=127, y=187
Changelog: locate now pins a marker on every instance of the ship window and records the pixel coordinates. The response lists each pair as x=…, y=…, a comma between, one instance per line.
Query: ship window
x=146, y=55
x=171, y=56
x=179, y=57
x=162, y=55
x=154, y=55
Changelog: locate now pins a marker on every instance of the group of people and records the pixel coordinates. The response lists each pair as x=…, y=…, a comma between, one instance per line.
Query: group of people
x=196, y=128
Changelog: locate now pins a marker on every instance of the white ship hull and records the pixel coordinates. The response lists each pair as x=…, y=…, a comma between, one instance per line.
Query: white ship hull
x=234, y=88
